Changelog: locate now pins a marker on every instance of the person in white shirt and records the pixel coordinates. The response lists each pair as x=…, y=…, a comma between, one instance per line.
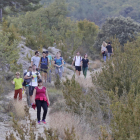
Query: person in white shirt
x=34, y=76
x=104, y=50
x=77, y=61
x=35, y=60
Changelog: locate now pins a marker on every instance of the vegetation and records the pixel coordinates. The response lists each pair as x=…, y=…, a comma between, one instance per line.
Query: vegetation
x=97, y=11
x=125, y=29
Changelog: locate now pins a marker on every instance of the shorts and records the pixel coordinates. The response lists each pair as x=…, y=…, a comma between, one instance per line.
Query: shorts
x=31, y=90
x=44, y=70
x=78, y=68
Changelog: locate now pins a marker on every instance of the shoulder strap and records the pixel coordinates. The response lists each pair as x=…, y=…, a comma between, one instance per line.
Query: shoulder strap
x=31, y=73
x=75, y=58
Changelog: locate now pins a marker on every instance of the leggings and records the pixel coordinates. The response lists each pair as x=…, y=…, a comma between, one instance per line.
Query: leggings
x=85, y=71
x=42, y=104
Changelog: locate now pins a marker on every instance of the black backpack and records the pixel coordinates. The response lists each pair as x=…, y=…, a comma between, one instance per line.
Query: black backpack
x=27, y=81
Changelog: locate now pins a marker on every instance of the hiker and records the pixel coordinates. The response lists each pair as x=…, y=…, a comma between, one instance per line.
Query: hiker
x=58, y=63
x=63, y=60
x=49, y=78
x=26, y=85
x=77, y=61
x=109, y=50
x=34, y=76
x=54, y=44
x=18, y=86
x=85, y=64
x=41, y=99
x=35, y=60
x=44, y=62
x=104, y=50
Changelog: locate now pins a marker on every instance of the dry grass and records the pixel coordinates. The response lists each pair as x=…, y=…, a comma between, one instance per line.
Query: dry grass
x=61, y=121
x=19, y=109
x=95, y=65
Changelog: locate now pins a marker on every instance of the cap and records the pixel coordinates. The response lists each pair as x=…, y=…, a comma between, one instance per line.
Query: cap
x=47, y=52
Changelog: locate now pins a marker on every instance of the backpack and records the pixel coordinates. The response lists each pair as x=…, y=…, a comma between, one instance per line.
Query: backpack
x=75, y=59
x=60, y=58
x=27, y=81
x=47, y=61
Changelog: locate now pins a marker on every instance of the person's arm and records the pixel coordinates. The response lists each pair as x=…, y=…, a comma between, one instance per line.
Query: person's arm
x=112, y=50
x=62, y=63
x=27, y=76
x=33, y=97
x=81, y=62
x=39, y=63
x=55, y=64
x=13, y=82
x=47, y=96
x=73, y=62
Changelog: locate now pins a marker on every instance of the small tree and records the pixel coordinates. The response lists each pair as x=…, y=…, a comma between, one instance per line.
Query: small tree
x=124, y=29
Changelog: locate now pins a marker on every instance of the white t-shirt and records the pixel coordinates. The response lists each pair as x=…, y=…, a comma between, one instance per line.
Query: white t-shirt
x=77, y=60
x=34, y=79
x=36, y=60
x=103, y=48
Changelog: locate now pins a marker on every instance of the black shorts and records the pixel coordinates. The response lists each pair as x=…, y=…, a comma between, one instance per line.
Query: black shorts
x=31, y=90
x=78, y=68
x=44, y=70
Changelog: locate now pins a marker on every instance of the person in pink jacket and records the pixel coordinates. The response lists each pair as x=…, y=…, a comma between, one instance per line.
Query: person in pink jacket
x=41, y=99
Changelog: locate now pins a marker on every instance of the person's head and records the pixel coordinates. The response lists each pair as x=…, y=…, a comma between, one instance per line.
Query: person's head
x=85, y=56
x=40, y=82
x=44, y=54
x=78, y=53
x=104, y=44
x=54, y=41
x=47, y=53
x=17, y=75
x=109, y=43
x=37, y=53
x=34, y=67
x=30, y=68
x=57, y=55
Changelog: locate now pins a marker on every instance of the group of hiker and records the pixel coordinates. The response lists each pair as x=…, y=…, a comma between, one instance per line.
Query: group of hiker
x=106, y=50
x=32, y=82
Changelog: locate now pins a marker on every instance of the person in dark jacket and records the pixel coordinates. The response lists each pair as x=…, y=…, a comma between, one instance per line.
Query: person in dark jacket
x=109, y=50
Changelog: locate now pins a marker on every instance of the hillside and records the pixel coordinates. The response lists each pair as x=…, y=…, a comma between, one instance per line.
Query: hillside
x=98, y=10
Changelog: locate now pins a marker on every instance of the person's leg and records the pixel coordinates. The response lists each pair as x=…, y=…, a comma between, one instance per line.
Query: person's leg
x=38, y=105
x=79, y=69
x=31, y=89
x=45, y=108
x=16, y=93
x=108, y=55
x=20, y=94
x=45, y=75
x=105, y=58
x=50, y=76
x=27, y=96
x=83, y=71
x=42, y=75
x=86, y=71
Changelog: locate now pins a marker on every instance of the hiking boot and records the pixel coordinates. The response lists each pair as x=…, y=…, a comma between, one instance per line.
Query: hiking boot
x=38, y=122
x=44, y=121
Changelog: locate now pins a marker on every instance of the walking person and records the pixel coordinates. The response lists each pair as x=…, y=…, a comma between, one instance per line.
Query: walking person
x=44, y=62
x=18, y=86
x=104, y=50
x=35, y=60
x=77, y=61
x=109, y=50
x=26, y=85
x=85, y=64
x=34, y=76
x=41, y=99
x=54, y=44
x=49, y=78
x=58, y=63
